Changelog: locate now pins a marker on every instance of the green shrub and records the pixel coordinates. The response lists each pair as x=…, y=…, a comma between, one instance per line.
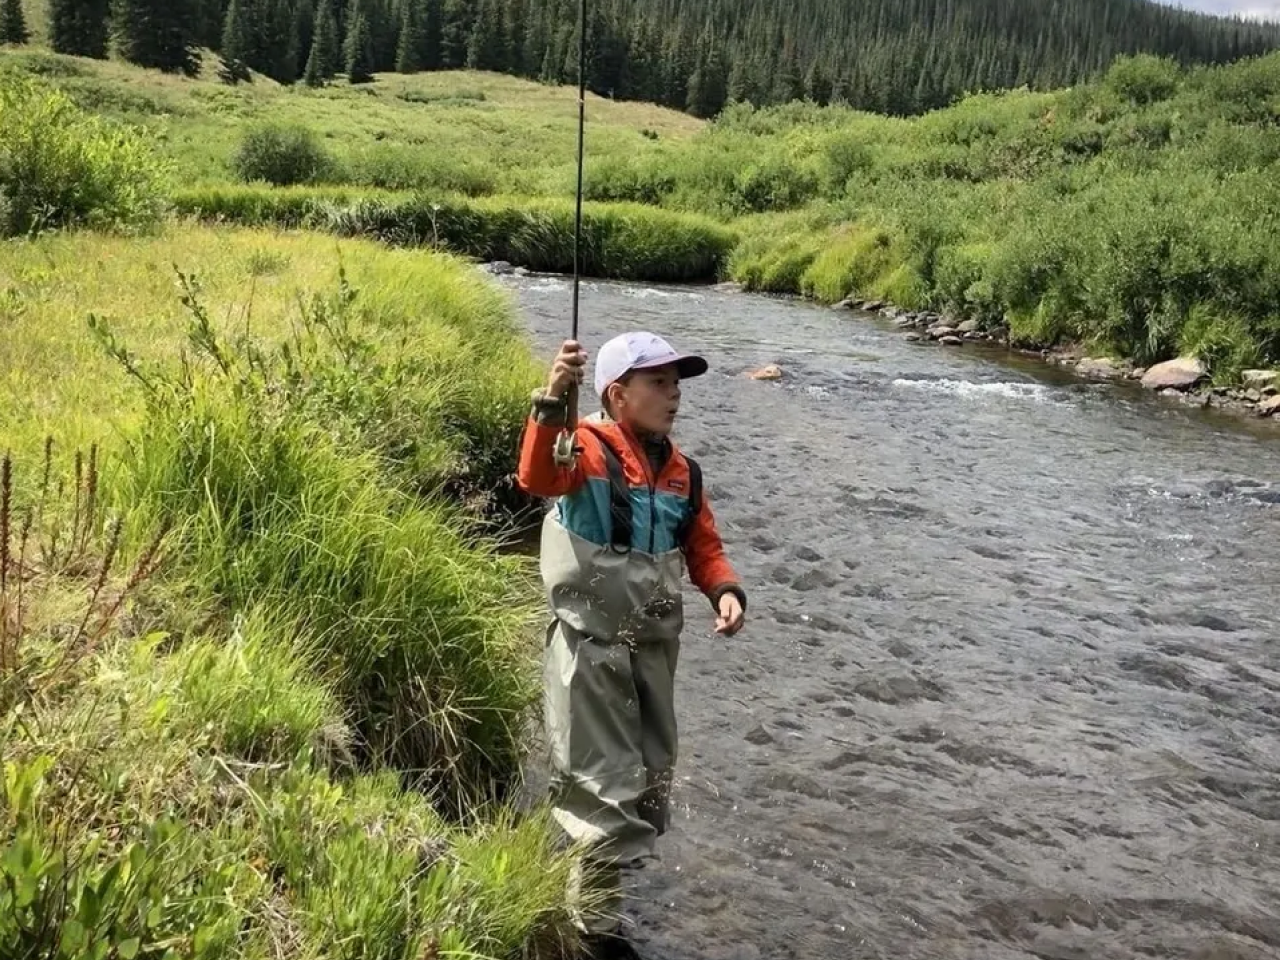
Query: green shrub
x=67, y=890
x=282, y=155
x=1143, y=79
x=61, y=168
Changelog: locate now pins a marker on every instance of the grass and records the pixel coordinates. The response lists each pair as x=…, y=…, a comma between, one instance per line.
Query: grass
x=55, y=378
x=1133, y=216
x=458, y=131
x=623, y=241
x=263, y=688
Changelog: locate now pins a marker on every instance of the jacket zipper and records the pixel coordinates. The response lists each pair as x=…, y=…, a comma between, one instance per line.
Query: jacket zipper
x=652, y=479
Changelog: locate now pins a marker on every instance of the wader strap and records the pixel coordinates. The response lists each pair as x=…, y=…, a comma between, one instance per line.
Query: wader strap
x=619, y=501
x=695, y=502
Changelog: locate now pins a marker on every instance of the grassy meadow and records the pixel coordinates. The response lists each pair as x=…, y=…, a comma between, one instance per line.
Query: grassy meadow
x=266, y=679
x=1133, y=217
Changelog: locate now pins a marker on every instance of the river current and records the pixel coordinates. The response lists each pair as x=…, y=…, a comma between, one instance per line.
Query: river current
x=1010, y=684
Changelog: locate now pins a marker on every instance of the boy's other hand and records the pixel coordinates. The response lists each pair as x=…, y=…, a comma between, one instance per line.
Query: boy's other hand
x=568, y=369
x=731, y=616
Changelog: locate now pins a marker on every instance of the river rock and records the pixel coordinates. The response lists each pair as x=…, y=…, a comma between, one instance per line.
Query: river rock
x=522, y=272
x=1269, y=407
x=913, y=338
x=907, y=321
x=1100, y=368
x=951, y=340
x=1260, y=379
x=770, y=372
x=843, y=305
x=1253, y=396
x=873, y=306
x=968, y=326
x=1181, y=374
x=500, y=268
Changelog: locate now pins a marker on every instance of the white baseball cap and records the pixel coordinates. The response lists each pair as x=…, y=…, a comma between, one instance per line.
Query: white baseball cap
x=642, y=351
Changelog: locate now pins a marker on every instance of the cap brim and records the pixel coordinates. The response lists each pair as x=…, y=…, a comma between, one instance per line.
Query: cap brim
x=687, y=366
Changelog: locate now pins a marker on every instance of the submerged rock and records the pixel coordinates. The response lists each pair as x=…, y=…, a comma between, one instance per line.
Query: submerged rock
x=1181, y=374
x=951, y=340
x=770, y=372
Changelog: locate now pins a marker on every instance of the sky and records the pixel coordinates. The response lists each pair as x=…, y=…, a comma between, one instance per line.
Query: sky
x=1268, y=9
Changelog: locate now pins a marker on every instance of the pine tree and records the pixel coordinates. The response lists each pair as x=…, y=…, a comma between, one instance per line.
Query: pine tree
x=13, y=25
x=411, y=49
x=280, y=62
x=708, y=86
x=158, y=33
x=455, y=33
x=300, y=35
x=358, y=53
x=237, y=44
x=484, y=50
x=79, y=28
x=322, y=63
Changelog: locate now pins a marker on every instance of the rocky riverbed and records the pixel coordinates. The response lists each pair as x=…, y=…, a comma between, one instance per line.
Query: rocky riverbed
x=1185, y=380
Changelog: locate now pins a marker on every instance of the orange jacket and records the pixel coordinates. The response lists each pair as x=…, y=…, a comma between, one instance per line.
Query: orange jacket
x=663, y=518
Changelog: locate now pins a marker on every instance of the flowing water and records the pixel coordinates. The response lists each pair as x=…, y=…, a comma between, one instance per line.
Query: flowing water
x=1010, y=686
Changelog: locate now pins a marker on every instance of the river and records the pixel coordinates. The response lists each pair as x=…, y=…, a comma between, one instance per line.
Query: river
x=1010, y=684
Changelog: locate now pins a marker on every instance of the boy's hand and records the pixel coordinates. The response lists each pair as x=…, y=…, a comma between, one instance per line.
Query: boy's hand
x=731, y=617
x=568, y=369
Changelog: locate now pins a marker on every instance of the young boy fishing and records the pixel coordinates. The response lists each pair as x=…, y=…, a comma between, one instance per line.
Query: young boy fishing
x=629, y=516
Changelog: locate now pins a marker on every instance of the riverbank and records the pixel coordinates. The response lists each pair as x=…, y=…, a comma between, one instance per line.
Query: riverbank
x=1132, y=216
x=1185, y=379
x=265, y=679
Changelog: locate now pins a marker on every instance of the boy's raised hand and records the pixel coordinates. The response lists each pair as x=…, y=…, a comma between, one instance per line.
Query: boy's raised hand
x=568, y=368
x=731, y=615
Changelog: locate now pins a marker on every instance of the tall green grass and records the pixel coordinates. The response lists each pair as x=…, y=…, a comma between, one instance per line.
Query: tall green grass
x=622, y=241
x=277, y=467
x=283, y=726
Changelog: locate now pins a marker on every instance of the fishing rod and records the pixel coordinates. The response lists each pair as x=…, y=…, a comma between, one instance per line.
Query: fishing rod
x=566, y=445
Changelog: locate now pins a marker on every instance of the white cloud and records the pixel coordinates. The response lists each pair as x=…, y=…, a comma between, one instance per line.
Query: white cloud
x=1255, y=9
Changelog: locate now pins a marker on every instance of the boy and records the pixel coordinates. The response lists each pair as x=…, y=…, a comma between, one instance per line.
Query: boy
x=630, y=513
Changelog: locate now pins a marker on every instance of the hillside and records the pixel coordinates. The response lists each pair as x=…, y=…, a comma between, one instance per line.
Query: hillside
x=470, y=133
x=889, y=56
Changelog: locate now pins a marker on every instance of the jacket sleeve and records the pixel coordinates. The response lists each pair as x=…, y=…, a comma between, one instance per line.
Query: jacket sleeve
x=538, y=474
x=709, y=568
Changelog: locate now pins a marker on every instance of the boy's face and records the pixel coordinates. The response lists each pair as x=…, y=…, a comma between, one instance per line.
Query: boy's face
x=648, y=401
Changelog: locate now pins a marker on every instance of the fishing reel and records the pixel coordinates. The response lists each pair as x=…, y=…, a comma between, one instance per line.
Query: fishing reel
x=567, y=450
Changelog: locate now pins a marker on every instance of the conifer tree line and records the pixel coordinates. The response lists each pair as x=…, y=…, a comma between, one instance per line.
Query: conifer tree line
x=892, y=56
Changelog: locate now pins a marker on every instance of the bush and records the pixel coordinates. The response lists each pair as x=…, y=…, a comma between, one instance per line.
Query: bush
x=282, y=155
x=1143, y=79
x=60, y=167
